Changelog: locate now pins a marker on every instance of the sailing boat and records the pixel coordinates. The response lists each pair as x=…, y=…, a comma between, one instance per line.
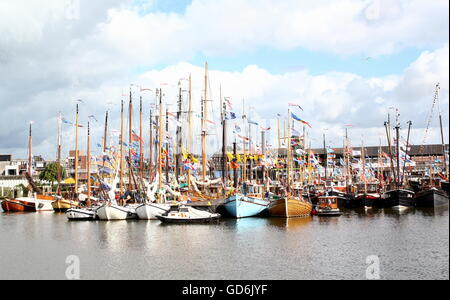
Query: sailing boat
x=208, y=192
x=150, y=210
x=398, y=197
x=111, y=211
x=251, y=201
x=35, y=202
x=434, y=195
x=61, y=204
x=84, y=214
x=289, y=205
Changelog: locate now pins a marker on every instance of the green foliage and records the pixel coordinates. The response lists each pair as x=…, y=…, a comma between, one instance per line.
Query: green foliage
x=50, y=173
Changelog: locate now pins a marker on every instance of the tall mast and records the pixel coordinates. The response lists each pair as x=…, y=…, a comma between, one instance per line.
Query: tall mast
x=105, y=139
x=76, y=152
x=347, y=161
x=391, y=159
x=224, y=148
x=204, y=129
x=397, y=130
x=88, y=167
x=30, y=155
x=406, y=151
x=244, y=143
x=263, y=152
x=160, y=141
x=289, y=154
x=179, y=136
x=150, y=161
x=438, y=87
x=130, y=141
x=141, y=146
x=121, y=148
x=167, y=145
x=59, y=154
x=279, y=133
x=326, y=157
x=363, y=161
x=189, y=143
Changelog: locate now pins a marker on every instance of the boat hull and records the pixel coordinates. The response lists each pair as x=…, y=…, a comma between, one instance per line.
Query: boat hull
x=115, y=213
x=170, y=220
x=329, y=213
x=240, y=206
x=368, y=200
x=18, y=206
x=63, y=205
x=395, y=198
x=290, y=208
x=151, y=211
x=77, y=214
x=431, y=198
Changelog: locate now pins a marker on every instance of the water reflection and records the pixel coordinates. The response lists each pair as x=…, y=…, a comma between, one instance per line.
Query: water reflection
x=291, y=224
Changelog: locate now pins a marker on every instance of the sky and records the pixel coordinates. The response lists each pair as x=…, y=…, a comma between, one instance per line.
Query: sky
x=346, y=62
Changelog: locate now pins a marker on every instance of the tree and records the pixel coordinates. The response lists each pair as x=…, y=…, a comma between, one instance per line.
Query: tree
x=50, y=173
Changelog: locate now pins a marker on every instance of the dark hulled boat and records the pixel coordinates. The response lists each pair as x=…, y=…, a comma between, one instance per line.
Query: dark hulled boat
x=431, y=197
x=395, y=198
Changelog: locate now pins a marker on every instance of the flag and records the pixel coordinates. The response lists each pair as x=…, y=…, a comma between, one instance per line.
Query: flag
x=295, y=133
x=300, y=120
x=295, y=105
x=237, y=128
x=356, y=153
x=230, y=156
x=244, y=138
x=234, y=165
x=252, y=122
x=228, y=101
x=265, y=129
x=135, y=137
x=93, y=118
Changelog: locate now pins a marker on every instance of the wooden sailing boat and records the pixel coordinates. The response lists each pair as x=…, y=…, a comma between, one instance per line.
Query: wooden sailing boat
x=35, y=202
x=290, y=205
x=61, y=204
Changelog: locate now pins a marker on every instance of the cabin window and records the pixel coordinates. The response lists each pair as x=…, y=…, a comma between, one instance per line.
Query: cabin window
x=184, y=210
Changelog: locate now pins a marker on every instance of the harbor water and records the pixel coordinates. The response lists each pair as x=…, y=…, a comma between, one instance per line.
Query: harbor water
x=413, y=244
